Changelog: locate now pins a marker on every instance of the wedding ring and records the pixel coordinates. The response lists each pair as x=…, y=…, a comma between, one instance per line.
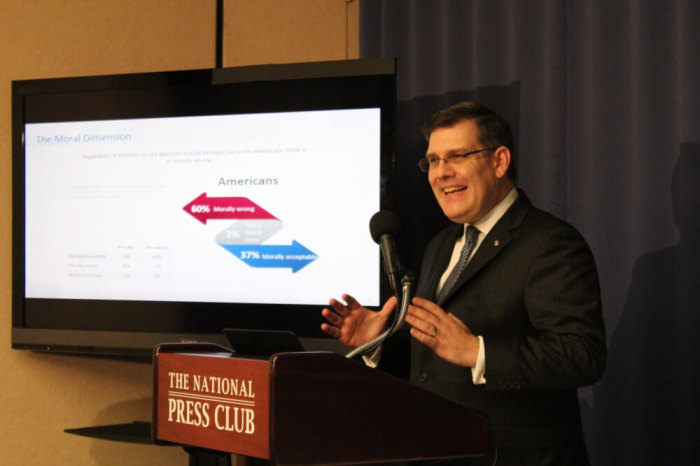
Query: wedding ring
x=434, y=331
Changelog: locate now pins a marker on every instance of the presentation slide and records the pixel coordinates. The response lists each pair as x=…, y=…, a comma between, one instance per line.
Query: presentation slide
x=259, y=208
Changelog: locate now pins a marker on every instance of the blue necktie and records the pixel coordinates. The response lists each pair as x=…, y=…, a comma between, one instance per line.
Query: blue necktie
x=469, y=241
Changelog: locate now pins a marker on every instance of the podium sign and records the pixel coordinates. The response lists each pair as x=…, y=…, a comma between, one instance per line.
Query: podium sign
x=304, y=408
x=215, y=402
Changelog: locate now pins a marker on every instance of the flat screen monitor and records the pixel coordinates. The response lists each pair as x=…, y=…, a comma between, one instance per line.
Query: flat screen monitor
x=161, y=207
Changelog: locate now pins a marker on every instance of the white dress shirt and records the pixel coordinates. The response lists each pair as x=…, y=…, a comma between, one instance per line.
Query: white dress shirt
x=484, y=226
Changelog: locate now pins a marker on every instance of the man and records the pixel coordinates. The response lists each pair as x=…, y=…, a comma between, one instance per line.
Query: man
x=521, y=327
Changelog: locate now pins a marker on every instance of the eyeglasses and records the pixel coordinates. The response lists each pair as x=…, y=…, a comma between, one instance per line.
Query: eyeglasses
x=428, y=163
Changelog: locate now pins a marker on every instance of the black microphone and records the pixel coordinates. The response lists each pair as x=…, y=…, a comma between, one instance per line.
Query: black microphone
x=384, y=226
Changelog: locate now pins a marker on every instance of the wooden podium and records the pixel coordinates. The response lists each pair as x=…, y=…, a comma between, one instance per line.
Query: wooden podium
x=304, y=408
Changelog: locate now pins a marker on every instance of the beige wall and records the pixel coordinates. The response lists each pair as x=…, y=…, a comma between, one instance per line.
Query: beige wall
x=41, y=394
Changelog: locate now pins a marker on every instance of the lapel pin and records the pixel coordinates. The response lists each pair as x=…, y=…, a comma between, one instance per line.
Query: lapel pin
x=496, y=243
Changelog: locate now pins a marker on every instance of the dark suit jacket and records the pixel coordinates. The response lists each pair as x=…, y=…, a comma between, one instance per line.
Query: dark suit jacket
x=531, y=290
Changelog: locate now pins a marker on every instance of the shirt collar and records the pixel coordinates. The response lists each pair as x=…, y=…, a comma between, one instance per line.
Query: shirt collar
x=489, y=220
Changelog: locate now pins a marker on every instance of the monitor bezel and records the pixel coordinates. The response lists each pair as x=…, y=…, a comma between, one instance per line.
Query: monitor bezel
x=72, y=328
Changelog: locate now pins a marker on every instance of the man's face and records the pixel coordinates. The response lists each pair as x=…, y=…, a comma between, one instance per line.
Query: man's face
x=467, y=189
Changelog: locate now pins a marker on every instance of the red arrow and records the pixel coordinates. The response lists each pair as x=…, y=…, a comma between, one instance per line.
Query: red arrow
x=205, y=208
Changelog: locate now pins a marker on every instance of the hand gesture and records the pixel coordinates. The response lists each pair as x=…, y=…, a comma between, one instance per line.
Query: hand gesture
x=442, y=332
x=354, y=324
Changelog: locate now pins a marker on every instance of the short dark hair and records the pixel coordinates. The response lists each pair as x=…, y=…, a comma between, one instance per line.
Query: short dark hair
x=494, y=130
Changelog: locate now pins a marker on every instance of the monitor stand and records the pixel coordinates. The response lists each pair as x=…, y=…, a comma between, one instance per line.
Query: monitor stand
x=140, y=432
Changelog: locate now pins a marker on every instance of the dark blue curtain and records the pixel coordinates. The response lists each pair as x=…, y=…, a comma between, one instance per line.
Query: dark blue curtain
x=604, y=96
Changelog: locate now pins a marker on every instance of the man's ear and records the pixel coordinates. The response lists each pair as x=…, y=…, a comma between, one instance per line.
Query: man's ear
x=501, y=158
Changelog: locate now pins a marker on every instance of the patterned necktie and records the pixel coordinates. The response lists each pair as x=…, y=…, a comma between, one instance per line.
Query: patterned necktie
x=469, y=241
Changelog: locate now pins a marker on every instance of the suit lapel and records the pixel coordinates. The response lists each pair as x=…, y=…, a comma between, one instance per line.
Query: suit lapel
x=440, y=260
x=496, y=241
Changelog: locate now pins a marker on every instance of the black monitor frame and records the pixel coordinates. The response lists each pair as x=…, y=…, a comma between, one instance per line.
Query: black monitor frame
x=133, y=328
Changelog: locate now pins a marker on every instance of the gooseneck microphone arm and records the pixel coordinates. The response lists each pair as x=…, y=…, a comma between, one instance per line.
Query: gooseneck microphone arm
x=400, y=317
x=384, y=226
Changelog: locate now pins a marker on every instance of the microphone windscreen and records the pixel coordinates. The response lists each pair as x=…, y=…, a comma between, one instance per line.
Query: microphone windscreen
x=382, y=223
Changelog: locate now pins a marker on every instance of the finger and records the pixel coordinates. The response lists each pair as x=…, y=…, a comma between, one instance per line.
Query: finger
x=389, y=305
x=424, y=338
x=331, y=330
x=423, y=326
x=422, y=314
x=339, y=307
x=332, y=317
x=429, y=306
x=350, y=301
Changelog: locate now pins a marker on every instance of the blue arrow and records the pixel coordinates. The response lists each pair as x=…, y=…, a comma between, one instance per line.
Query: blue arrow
x=294, y=256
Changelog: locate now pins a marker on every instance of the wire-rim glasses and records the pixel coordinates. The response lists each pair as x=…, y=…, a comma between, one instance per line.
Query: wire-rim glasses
x=427, y=163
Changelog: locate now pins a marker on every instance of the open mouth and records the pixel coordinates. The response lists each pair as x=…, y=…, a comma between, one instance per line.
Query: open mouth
x=454, y=189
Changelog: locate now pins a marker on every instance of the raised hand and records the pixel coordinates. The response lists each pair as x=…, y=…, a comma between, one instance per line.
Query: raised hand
x=442, y=332
x=354, y=324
